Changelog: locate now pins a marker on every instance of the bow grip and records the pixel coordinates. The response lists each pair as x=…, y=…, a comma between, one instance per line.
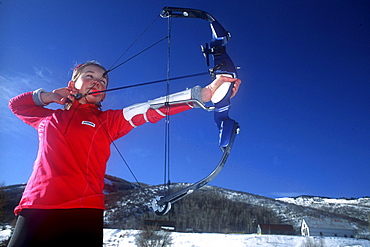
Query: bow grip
x=225, y=89
x=221, y=100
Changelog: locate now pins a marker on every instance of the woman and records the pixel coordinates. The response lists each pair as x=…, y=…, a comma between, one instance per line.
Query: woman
x=63, y=202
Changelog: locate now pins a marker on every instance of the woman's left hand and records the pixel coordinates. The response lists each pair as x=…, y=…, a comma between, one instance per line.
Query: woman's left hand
x=209, y=90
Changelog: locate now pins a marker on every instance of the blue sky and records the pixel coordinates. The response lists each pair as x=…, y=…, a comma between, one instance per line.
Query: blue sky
x=303, y=107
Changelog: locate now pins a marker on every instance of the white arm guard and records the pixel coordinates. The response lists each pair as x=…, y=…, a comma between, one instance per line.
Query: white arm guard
x=142, y=108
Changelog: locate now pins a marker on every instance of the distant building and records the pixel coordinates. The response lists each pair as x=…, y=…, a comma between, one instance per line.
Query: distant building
x=275, y=229
x=161, y=225
x=326, y=227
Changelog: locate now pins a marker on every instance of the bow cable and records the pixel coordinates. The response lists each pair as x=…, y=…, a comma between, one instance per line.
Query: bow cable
x=132, y=44
x=137, y=54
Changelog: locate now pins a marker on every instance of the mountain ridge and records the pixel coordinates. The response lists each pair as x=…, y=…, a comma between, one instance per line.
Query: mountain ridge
x=212, y=209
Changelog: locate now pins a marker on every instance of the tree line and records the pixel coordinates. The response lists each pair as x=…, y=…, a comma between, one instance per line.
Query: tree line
x=204, y=211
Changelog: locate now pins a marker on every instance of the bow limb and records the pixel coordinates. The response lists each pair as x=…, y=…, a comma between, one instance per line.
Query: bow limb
x=228, y=128
x=161, y=205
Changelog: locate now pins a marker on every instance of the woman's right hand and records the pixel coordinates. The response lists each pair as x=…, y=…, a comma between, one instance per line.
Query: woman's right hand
x=59, y=96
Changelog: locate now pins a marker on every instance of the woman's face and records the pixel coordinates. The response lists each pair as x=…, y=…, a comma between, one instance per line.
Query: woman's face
x=91, y=80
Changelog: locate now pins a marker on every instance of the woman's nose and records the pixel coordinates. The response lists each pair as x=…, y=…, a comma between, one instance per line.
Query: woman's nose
x=96, y=83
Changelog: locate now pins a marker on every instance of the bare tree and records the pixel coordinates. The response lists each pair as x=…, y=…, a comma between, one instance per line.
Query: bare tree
x=148, y=237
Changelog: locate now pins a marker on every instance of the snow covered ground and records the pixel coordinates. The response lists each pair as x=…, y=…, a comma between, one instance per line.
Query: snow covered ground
x=126, y=238
x=120, y=238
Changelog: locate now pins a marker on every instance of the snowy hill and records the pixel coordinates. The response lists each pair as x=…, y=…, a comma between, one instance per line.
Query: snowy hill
x=131, y=208
x=293, y=210
x=213, y=209
x=356, y=208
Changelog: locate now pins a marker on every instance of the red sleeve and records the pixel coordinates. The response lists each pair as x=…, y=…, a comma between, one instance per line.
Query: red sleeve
x=25, y=109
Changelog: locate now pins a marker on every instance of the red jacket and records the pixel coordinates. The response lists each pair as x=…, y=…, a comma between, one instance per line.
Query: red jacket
x=73, y=150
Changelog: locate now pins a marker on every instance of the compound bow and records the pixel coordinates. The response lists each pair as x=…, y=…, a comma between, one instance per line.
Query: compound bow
x=228, y=128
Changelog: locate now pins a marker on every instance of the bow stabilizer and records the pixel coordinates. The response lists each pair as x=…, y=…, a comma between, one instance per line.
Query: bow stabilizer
x=222, y=65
